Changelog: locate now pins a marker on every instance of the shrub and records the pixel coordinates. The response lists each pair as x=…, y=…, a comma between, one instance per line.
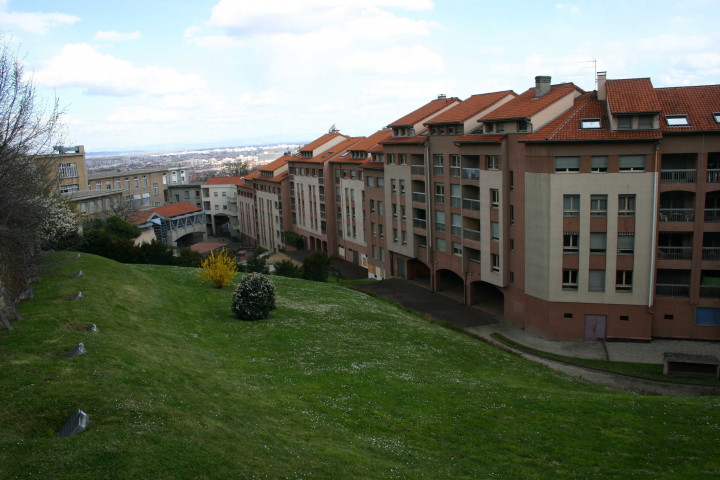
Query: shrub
x=218, y=268
x=294, y=240
x=118, y=227
x=253, y=297
x=255, y=264
x=188, y=258
x=316, y=266
x=287, y=268
x=155, y=253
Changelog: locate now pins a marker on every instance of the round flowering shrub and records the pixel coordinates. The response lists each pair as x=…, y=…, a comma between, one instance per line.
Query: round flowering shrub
x=253, y=297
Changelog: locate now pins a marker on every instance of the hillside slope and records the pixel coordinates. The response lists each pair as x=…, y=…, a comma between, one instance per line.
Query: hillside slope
x=334, y=385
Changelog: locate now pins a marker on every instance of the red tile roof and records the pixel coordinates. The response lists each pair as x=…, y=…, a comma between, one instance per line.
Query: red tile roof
x=277, y=163
x=366, y=144
x=176, y=209
x=567, y=127
x=479, y=138
x=416, y=139
x=375, y=165
x=139, y=217
x=321, y=141
x=423, y=112
x=472, y=106
x=698, y=103
x=224, y=181
x=632, y=95
x=332, y=153
x=526, y=105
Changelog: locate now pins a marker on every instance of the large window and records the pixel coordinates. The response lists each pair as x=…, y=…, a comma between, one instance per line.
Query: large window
x=567, y=164
x=570, y=279
x=492, y=162
x=598, y=205
x=571, y=205
x=439, y=221
x=598, y=242
x=599, y=164
x=632, y=163
x=571, y=242
x=596, y=281
x=626, y=243
x=495, y=230
x=623, y=280
x=626, y=205
x=67, y=170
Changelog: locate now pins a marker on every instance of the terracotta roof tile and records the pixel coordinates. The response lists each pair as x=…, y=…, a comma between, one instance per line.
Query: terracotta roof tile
x=416, y=139
x=332, y=153
x=224, y=181
x=176, y=209
x=479, y=138
x=374, y=165
x=698, y=103
x=139, y=217
x=567, y=127
x=366, y=144
x=632, y=95
x=423, y=112
x=320, y=142
x=526, y=105
x=277, y=163
x=469, y=107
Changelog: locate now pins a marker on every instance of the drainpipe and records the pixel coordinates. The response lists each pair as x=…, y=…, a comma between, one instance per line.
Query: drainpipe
x=654, y=229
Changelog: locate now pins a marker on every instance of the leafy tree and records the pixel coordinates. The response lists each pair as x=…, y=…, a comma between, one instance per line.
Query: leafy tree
x=218, y=268
x=118, y=227
x=256, y=264
x=237, y=168
x=254, y=297
x=294, y=240
x=317, y=266
x=188, y=258
x=155, y=253
x=287, y=268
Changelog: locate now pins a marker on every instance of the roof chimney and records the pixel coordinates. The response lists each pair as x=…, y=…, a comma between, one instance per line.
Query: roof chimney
x=601, y=88
x=441, y=96
x=542, y=85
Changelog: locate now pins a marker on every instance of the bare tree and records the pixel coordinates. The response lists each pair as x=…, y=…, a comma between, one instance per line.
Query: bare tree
x=237, y=168
x=28, y=128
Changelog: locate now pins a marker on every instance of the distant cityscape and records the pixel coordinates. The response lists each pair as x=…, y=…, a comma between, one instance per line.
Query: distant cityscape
x=200, y=164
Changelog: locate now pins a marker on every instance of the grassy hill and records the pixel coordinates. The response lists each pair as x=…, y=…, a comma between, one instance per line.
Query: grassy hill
x=334, y=385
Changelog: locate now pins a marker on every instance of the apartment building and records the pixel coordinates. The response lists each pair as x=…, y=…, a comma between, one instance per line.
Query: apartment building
x=271, y=203
x=189, y=192
x=141, y=188
x=220, y=203
x=247, y=223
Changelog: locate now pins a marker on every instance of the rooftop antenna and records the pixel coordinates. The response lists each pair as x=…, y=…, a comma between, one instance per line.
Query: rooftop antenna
x=333, y=129
x=594, y=62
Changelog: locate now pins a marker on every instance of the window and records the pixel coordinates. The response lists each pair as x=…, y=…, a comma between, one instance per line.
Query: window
x=626, y=205
x=495, y=197
x=373, y=229
x=716, y=117
x=626, y=243
x=598, y=205
x=522, y=126
x=455, y=169
x=403, y=212
x=439, y=193
x=571, y=205
x=668, y=317
x=380, y=210
x=135, y=182
x=596, y=281
x=67, y=170
x=632, y=163
x=677, y=120
x=624, y=318
x=402, y=187
x=492, y=162
x=404, y=237
x=117, y=184
x=217, y=207
x=390, y=158
x=144, y=179
x=215, y=194
x=590, y=123
x=393, y=183
x=488, y=127
x=567, y=164
x=438, y=163
x=108, y=185
x=598, y=242
x=155, y=188
x=381, y=230
x=598, y=164
x=127, y=184
x=571, y=242
x=370, y=181
x=645, y=122
x=382, y=254
x=512, y=181
x=568, y=315
x=380, y=182
x=623, y=280
x=495, y=230
x=456, y=249
x=224, y=194
x=624, y=122
x=402, y=158
x=372, y=206
x=440, y=245
x=374, y=251
x=500, y=127
x=570, y=279
x=495, y=260
x=439, y=220
x=394, y=210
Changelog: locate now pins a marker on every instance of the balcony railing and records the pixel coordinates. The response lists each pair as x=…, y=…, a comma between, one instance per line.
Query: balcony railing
x=418, y=197
x=709, y=291
x=713, y=175
x=675, y=253
x=420, y=223
x=672, y=290
x=469, y=204
x=417, y=169
x=712, y=214
x=711, y=253
x=473, y=235
x=471, y=173
x=687, y=175
x=679, y=215
x=455, y=172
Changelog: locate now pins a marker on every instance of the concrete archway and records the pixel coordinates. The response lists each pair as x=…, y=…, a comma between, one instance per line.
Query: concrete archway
x=419, y=273
x=488, y=297
x=451, y=284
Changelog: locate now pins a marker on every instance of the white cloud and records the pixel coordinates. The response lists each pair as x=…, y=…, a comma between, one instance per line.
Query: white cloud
x=195, y=36
x=81, y=66
x=36, y=22
x=570, y=8
x=397, y=60
x=113, y=36
x=140, y=114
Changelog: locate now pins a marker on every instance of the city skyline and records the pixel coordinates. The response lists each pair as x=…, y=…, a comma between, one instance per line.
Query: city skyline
x=218, y=73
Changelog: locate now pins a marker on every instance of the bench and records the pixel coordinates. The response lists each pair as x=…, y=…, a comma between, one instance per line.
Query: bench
x=686, y=364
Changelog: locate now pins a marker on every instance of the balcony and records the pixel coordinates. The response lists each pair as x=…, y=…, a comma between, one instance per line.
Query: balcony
x=681, y=215
x=420, y=223
x=672, y=290
x=712, y=214
x=469, y=204
x=685, y=175
x=418, y=197
x=710, y=291
x=711, y=253
x=713, y=175
x=473, y=235
x=471, y=173
x=674, y=253
x=417, y=170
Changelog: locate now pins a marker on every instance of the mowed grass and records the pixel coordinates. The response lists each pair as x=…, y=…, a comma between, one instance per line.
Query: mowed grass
x=335, y=384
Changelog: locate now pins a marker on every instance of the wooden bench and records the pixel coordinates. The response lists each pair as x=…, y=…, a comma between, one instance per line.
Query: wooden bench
x=686, y=364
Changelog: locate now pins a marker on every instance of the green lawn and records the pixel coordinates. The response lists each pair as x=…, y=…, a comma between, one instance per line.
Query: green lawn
x=335, y=384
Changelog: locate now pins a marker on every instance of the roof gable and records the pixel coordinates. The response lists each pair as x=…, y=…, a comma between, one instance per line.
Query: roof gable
x=423, y=112
x=632, y=95
x=469, y=107
x=698, y=103
x=525, y=105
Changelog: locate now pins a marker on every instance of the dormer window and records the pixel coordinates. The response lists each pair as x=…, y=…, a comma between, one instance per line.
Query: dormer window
x=677, y=120
x=716, y=117
x=306, y=154
x=451, y=130
x=590, y=123
x=624, y=122
x=645, y=122
x=433, y=130
x=522, y=126
x=489, y=127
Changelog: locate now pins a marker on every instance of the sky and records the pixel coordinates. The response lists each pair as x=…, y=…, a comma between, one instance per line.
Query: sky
x=173, y=74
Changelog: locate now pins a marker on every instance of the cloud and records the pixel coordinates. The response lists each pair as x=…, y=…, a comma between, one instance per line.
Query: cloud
x=81, y=66
x=38, y=23
x=570, y=8
x=397, y=60
x=113, y=36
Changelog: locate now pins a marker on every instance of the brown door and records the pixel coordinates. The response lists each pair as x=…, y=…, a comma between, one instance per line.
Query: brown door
x=595, y=327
